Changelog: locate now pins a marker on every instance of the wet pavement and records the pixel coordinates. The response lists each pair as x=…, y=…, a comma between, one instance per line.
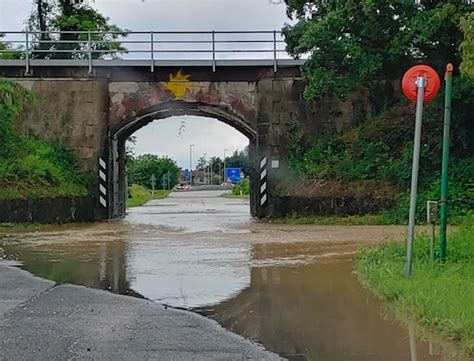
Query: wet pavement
x=290, y=288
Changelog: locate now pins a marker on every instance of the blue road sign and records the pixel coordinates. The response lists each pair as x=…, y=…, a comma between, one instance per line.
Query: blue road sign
x=186, y=174
x=233, y=175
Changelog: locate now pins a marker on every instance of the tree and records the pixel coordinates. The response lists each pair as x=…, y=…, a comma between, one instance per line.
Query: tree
x=240, y=159
x=467, y=46
x=216, y=165
x=354, y=43
x=141, y=168
x=74, y=16
x=201, y=164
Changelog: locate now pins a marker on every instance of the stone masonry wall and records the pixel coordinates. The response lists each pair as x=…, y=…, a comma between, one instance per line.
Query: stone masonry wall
x=72, y=111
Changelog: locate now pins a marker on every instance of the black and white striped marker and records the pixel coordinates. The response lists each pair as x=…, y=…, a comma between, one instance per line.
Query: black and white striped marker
x=103, y=182
x=263, y=181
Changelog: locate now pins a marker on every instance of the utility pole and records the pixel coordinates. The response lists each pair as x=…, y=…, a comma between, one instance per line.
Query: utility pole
x=191, y=164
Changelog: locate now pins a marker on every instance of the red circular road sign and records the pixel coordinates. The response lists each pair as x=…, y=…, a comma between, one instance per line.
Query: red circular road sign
x=433, y=82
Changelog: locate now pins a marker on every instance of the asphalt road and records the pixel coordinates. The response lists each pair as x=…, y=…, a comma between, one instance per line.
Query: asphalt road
x=40, y=320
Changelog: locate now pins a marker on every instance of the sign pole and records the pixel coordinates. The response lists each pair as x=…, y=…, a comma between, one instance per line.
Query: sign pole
x=443, y=220
x=420, y=84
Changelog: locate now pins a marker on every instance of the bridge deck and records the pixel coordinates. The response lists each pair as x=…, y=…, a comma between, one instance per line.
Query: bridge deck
x=148, y=63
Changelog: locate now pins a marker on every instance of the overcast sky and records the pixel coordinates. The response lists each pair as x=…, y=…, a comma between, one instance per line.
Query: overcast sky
x=161, y=137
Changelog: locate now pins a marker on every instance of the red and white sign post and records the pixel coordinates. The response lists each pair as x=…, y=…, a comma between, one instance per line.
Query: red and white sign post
x=420, y=83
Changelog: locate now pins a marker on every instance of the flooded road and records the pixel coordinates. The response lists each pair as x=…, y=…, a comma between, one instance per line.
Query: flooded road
x=290, y=288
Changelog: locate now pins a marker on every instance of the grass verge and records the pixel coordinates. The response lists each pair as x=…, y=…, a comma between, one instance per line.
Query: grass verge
x=141, y=195
x=371, y=219
x=22, y=227
x=440, y=297
x=235, y=196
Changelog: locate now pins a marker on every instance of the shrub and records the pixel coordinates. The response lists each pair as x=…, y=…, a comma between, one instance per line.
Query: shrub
x=242, y=188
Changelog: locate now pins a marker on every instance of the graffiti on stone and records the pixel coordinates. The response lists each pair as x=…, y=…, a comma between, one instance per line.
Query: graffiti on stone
x=179, y=84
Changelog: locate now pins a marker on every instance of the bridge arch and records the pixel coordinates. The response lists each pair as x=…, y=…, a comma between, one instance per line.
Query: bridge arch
x=120, y=131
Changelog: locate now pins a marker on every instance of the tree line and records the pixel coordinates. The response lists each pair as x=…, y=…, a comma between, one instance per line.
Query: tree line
x=367, y=45
x=50, y=17
x=141, y=168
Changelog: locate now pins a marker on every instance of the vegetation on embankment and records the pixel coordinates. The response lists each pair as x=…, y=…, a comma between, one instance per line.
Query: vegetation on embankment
x=438, y=296
x=359, y=52
x=31, y=167
x=373, y=160
x=24, y=227
x=140, y=195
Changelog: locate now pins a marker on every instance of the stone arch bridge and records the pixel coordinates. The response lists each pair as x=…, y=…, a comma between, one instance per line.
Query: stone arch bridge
x=94, y=114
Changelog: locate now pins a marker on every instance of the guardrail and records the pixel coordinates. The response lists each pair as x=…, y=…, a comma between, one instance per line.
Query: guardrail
x=139, y=47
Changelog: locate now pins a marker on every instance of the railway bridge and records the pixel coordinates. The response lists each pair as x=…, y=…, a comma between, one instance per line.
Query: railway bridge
x=92, y=101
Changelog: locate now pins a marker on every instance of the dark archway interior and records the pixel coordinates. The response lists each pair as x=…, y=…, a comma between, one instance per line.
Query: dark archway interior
x=119, y=136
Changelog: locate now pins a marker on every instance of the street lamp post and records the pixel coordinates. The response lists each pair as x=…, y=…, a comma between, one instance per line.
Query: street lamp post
x=211, y=174
x=204, y=168
x=220, y=171
x=191, y=164
x=224, y=175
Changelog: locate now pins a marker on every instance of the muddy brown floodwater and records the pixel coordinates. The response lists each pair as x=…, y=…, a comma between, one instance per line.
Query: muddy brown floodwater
x=290, y=288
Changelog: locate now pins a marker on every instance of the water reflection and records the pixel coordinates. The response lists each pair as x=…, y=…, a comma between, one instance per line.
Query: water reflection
x=92, y=264
x=317, y=312
x=300, y=300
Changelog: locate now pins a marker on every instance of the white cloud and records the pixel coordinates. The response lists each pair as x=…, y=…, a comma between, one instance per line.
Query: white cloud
x=169, y=14
x=208, y=136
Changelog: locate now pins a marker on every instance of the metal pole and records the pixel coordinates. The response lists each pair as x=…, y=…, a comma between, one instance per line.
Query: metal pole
x=431, y=216
x=432, y=241
x=89, y=45
x=213, y=51
x=191, y=164
x=152, y=47
x=443, y=221
x=224, y=175
x=27, y=54
x=220, y=171
x=420, y=84
x=275, y=65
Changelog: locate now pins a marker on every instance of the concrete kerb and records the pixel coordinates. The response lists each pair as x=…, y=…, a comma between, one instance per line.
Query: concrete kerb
x=41, y=320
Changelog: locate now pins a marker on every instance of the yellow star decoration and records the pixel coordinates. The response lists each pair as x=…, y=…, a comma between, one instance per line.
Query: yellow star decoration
x=178, y=84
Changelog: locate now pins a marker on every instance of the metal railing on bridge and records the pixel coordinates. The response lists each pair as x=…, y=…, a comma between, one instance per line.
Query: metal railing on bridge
x=144, y=48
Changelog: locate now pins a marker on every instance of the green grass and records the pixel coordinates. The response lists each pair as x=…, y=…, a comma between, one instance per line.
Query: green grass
x=23, y=227
x=440, y=297
x=141, y=195
x=235, y=196
x=370, y=219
